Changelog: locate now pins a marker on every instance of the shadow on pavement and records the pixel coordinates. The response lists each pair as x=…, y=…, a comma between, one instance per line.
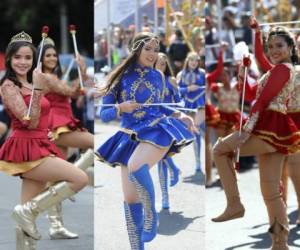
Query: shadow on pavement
x=293, y=236
x=293, y=216
x=198, y=178
x=172, y=223
x=263, y=241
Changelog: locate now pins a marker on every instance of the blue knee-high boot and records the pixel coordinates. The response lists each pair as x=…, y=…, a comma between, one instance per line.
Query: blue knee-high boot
x=134, y=221
x=144, y=185
x=174, y=171
x=197, y=147
x=163, y=181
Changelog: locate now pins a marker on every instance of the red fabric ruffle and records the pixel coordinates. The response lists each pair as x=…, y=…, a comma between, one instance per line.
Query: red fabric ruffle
x=212, y=116
x=229, y=120
x=279, y=130
x=28, y=145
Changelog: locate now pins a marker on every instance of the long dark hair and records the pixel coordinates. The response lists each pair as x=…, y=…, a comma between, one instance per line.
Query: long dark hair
x=135, y=50
x=57, y=70
x=168, y=70
x=288, y=37
x=11, y=50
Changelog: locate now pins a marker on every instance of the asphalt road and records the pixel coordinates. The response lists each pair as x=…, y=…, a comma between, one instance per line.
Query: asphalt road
x=78, y=217
x=249, y=232
x=182, y=228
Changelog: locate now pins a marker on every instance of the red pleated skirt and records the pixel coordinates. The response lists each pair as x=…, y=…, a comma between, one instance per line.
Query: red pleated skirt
x=279, y=130
x=25, y=145
x=212, y=116
x=229, y=120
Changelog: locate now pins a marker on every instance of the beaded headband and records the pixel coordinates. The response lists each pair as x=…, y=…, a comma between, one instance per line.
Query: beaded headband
x=144, y=41
x=21, y=37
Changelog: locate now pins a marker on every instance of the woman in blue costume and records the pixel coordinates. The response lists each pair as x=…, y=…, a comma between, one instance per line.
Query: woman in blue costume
x=148, y=133
x=171, y=96
x=192, y=88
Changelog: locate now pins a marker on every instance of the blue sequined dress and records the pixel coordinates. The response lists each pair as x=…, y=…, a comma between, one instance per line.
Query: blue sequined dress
x=193, y=99
x=152, y=124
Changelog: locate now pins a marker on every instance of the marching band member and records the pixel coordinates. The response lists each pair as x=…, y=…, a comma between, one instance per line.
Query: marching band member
x=28, y=152
x=191, y=84
x=149, y=132
x=269, y=133
x=171, y=95
x=66, y=130
x=293, y=107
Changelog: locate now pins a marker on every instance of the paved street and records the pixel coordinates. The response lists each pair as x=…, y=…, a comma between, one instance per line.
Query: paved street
x=249, y=232
x=78, y=217
x=180, y=229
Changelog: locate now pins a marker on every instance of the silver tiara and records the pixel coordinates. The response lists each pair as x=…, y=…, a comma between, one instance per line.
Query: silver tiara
x=21, y=37
x=144, y=41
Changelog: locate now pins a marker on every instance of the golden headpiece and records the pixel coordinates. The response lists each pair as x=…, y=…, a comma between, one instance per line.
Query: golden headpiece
x=50, y=41
x=21, y=37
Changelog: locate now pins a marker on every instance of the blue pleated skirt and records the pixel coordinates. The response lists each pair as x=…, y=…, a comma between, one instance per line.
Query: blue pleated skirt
x=166, y=132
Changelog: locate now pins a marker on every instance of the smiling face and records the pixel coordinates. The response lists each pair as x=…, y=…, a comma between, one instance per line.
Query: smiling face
x=279, y=50
x=50, y=60
x=161, y=63
x=193, y=63
x=149, y=53
x=21, y=61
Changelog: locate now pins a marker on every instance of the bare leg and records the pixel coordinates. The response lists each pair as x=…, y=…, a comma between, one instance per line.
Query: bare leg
x=55, y=169
x=64, y=151
x=30, y=189
x=76, y=139
x=221, y=132
x=145, y=156
x=82, y=140
x=129, y=189
x=145, y=153
x=208, y=152
x=3, y=128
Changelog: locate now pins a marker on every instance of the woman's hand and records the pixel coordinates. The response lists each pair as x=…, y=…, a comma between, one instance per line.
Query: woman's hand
x=193, y=87
x=128, y=107
x=224, y=46
x=254, y=24
x=188, y=121
x=39, y=79
x=243, y=138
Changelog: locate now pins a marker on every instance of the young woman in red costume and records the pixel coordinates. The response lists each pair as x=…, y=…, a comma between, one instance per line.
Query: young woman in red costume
x=66, y=130
x=269, y=133
x=28, y=152
x=291, y=168
x=228, y=101
x=212, y=118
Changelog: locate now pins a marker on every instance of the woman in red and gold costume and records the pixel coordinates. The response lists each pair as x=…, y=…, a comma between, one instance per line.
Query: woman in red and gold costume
x=292, y=161
x=228, y=98
x=28, y=152
x=66, y=130
x=212, y=118
x=269, y=133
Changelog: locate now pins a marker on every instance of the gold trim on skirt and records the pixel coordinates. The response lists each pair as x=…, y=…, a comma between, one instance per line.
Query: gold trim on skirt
x=55, y=134
x=12, y=168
